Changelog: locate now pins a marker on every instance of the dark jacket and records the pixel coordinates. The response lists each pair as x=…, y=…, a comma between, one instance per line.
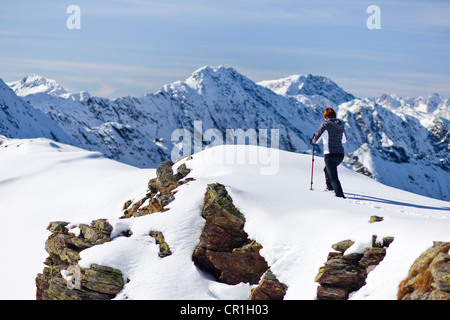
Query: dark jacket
x=332, y=133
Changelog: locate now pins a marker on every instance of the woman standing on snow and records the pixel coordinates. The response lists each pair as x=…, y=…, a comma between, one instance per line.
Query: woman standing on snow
x=332, y=133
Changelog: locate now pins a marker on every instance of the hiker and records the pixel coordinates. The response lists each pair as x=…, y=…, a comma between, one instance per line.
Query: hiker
x=332, y=133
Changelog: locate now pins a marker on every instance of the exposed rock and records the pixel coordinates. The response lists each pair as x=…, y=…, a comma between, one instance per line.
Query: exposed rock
x=269, y=288
x=95, y=283
x=372, y=256
x=161, y=191
x=63, y=278
x=343, y=245
x=345, y=273
x=429, y=275
x=164, y=174
x=375, y=219
x=164, y=250
x=224, y=249
x=57, y=226
x=97, y=233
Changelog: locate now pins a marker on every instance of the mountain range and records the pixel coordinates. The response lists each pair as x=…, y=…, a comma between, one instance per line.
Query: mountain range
x=401, y=142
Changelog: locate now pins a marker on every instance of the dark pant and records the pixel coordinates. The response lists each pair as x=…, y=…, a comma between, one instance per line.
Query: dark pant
x=331, y=175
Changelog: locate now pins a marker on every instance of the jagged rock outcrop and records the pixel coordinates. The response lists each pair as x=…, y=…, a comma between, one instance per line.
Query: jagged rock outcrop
x=345, y=273
x=63, y=278
x=224, y=250
x=160, y=191
x=429, y=275
x=269, y=288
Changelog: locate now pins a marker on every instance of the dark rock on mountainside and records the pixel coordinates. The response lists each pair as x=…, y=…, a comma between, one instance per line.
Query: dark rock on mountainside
x=429, y=275
x=224, y=250
x=345, y=273
x=269, y=288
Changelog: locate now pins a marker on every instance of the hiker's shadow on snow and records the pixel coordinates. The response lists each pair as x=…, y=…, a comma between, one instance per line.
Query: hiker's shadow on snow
x=354, y=196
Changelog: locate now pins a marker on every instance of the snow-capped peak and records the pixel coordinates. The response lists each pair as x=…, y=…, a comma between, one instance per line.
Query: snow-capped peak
x=36, y=84
x=208, y=75
x=308, y=85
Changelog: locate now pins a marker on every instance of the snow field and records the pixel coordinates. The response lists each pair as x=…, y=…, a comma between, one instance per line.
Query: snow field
x=43, y=181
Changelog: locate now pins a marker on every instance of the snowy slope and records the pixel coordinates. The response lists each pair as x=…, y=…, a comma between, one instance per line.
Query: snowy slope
x=42, y=181
x=295, y=226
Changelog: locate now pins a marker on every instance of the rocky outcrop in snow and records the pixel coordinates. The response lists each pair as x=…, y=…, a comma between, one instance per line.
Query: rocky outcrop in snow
x=345, y=273
x=224, y=250
x=63, y=279
x=160, y=191
x=429, y=275
x=269, y=288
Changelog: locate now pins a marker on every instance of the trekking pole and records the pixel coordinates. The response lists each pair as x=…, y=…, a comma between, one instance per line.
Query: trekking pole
x=312, y=168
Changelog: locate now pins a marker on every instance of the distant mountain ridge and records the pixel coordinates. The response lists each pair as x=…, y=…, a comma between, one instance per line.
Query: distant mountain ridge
x=19, y=119
x=308, y=85
x=402, y=142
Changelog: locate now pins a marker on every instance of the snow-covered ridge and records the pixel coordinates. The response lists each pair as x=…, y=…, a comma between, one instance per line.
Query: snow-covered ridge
x=402, y=142
x=295, y=226
x=36, y=84
x=308, y=85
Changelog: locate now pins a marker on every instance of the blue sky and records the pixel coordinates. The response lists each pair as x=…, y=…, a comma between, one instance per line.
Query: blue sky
x=133, y=47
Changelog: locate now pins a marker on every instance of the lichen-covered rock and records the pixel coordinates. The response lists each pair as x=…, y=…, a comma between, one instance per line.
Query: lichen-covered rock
x=97, y=233
x=374, y=219
x=58, y=226
x=217, y=202
x=164, y=174
x=429, y=275
x=269, y=288
x=102, y=279
x=372, y=256
x=60, y=249
x=343, y=245
x=342, y=272
x=161, y=191
x=63, y=247
x=224, y=249
x=95, y=283
x=164, y=250
x=345, y=273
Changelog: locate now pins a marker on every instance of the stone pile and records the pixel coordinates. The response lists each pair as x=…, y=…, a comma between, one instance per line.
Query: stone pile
x=63, y=279
x=345, y=273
